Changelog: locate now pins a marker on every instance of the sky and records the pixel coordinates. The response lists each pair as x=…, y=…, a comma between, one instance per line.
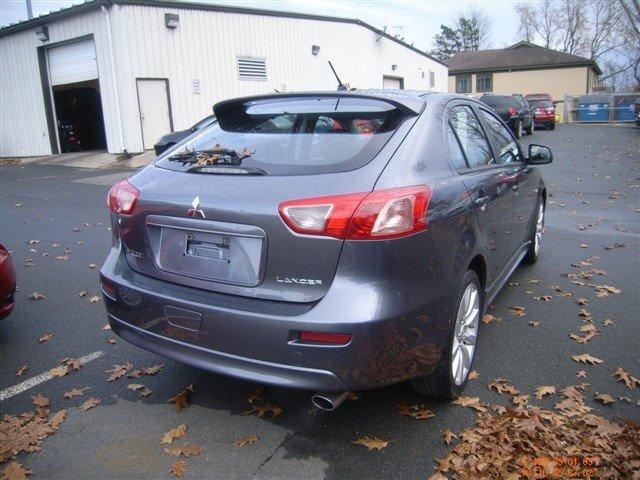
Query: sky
x=419, y=20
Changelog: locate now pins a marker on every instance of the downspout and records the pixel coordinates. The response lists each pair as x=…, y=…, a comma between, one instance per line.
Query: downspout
x=114, y=79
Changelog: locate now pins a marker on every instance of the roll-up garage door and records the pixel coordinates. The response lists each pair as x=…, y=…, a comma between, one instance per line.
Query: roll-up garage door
x=72, y=63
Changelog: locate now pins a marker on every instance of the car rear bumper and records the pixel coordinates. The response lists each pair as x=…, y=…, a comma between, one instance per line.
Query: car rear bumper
x=393, y=338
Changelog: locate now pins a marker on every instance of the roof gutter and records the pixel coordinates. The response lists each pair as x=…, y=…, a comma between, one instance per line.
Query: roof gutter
x=587, y=63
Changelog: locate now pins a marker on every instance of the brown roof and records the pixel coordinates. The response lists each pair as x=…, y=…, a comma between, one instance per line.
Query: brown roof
x=521, y=56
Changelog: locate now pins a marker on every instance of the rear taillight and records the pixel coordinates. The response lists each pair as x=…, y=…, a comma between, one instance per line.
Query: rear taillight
x=122, y=198
x=324, y=337
x=380, y=214
x=513, y=111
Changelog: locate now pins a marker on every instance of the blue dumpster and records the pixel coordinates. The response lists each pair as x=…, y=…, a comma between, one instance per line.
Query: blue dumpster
x=623, y=110
x=594, y=108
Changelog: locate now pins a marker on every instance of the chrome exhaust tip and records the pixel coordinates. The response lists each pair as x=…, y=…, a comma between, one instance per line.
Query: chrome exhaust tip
x=328, y=401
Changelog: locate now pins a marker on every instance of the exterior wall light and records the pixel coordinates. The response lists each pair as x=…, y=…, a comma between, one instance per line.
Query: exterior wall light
x=394, y=66
x=171, y=20
x=315, y=49
x=42, y=33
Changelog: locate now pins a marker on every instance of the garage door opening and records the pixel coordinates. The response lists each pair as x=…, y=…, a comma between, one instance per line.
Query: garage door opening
x=79, y=116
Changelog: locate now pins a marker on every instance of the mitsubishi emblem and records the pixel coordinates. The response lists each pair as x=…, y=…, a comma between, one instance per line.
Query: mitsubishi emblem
x=195, y=212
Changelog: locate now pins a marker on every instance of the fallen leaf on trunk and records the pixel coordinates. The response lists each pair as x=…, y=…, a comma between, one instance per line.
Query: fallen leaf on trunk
x=623, y=376
x=184, y=450
x=586, y=358
x=246, y=440
x=89, y=404
x=181, y=400
x=21, y=371
x=544, y=390
x=75, y=392
x=372, y=443
x=45, y=338
x=177, y=432
x=37, y=296
x=15, y=471
x=179, y=468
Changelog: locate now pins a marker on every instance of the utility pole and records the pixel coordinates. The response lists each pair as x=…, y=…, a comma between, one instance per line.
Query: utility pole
x=29, y=9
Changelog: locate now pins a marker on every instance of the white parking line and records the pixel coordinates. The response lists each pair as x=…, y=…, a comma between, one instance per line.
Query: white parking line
x=43, y=377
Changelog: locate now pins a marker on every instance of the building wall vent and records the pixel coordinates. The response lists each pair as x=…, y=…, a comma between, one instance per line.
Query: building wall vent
x=250, y=68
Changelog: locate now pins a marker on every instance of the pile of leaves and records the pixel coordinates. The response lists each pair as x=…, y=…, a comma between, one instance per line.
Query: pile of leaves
x=27, y=431
x=511, y=442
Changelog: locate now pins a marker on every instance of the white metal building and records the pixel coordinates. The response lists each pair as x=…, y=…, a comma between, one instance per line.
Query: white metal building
x=133, y=70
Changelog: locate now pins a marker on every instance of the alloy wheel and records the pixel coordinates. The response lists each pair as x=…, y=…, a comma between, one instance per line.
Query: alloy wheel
x=465, y=334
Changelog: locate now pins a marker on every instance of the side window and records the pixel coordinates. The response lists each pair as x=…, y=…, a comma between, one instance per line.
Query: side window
x=472, y=139
x=507, y=146
x=455, y=152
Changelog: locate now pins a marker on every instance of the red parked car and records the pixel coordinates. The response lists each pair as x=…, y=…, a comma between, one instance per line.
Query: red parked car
x=7, y=283
x=544, y=113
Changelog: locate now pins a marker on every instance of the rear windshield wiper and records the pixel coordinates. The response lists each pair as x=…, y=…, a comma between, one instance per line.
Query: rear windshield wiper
x=217, y=155
x=226, y=170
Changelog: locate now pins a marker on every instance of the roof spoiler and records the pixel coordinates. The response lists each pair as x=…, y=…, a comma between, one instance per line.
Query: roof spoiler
x=408, y=105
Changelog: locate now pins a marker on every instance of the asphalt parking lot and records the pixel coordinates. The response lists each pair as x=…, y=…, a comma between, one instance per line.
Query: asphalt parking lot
x=56, y=216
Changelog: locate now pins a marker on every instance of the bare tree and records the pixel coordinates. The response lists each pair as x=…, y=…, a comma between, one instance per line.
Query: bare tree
x=481, y=21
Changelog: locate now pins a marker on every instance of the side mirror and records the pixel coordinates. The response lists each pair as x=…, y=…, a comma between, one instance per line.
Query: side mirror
x=539, y=155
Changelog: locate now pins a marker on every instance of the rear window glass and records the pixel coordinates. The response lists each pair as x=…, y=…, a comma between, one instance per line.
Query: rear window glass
x=498, y=101
x=292, y=136
x=540, y=104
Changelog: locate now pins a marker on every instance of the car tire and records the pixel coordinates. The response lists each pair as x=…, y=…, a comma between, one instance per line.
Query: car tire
x=531, y=128
x=533, y=252
x=518, y=129
x=445, y=382
x=553, y=126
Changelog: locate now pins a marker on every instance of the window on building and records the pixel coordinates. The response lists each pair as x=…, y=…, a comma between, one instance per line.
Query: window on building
x=484, y=82
x=463, y=83
x=472, y=139
x=432, y=79
x=252, y=68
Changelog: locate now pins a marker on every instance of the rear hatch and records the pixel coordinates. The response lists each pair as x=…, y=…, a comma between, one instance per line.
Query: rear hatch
x=207, y=215
x=501, y=105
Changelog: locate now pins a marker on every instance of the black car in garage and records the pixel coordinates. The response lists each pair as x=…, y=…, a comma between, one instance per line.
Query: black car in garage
x=514, y=110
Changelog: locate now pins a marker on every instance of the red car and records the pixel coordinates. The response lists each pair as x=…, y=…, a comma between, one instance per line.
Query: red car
x=544, y=113
x=7, y=283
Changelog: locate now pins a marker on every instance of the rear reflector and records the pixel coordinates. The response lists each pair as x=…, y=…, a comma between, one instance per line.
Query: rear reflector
x=122, y=198
x=381, y=214
x=322, y=337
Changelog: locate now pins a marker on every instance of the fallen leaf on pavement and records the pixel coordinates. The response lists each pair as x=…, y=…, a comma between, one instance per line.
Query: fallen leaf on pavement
x=81, y=294
x=246, y=440
x=106, y=326
x=473, y=375
x=135, y=386
x=155, y=369
x=471, y=402
x=94, y=299
x=437, y=476
x=145, y=392
x=75, y=392
x=415, y=411
x=608, y=322
x=372, y=443
x=60, y=371
x=500, y=385
x=448, y=436
x=118, y=371
x=179, y=468
x=275, y=410
x=517, y=311
x=181, y=400
x=40, y=401
x=177, y=432
x=623, y=376
x=488, y=318
x=534, y=323
x=45, y=338
x=581, y=374
x=73, y=363
x=545, y=390
x=92, y=265
x=111, y=341
x=89, y=404
x=586, y=358
x=14, y=470
x=184, y=450
x=605, y=398
x=58, y=419
x=21, y=371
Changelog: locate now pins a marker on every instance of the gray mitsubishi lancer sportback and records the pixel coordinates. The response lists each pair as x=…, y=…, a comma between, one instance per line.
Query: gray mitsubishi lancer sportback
x=328, y=241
